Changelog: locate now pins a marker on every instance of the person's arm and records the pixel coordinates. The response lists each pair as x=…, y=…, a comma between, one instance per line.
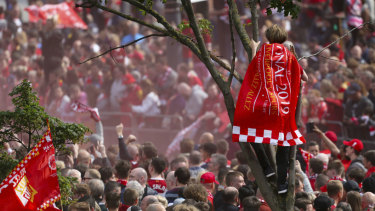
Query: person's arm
x=123, y=150
x=254, y=46
x=306, y=182
x=331, y=146
x=99, y=130
x=147, y=103
x=105, y=160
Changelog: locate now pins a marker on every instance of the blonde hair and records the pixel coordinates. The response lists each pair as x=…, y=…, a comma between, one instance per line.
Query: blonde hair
x=276, y=34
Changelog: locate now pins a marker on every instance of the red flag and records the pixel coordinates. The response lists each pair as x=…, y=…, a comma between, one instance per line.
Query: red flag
x=66, y=16
x=33, y=183
x=306, y=157
x=266, y=105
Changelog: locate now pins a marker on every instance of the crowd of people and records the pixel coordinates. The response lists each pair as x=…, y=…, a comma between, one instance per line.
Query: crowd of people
x=139, y=80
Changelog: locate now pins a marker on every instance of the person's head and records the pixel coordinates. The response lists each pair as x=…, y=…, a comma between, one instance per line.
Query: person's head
x=335, y=189
x=353, y=147
x=303, y=204
x=157, y=165
x=130, y=197
x=217, y=162
x=147, y=86
x=313, y=148
x=207, y=149
x=186, y=145
x=112, y=187
x=222, y=147
x=368, y=185
x=84, y=158
x=323, y=203
x=369, y=159
x=230, y=195
x=276, y=34
x=91, y=174
x=139, y=174
x=122, y=168
x=196, y=192
x=79, y=206
x=354, y=91
x=298, y=183
x=251, y=203
x=75, y=174
x=148, y=151
x=182, y=175
x=185, y=207
x=343, y=206
x=357, y=174
x=107, y=174
x=97, y=188
x=234, y=179
x=157, y=206
x=171, y=181
x=195, y=158
x=136, y=186
x=316, y=166
x=350, y=185
x=354, y=199
x=133, y=151
x=112, y=200
x=321, y=180
x=81, y=190
x=179, y=161
x=335, y=168
x=368, y=200
x=206, y=137
x=208, y=181
x=147, y=200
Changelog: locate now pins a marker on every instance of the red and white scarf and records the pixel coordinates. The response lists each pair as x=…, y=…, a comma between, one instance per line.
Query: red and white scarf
x=266, y=105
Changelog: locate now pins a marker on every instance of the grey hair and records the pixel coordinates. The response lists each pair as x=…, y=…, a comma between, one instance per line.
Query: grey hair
x=96, y=187
x=137, y=186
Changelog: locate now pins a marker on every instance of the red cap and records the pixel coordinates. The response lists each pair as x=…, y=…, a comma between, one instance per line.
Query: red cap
x=355, y=143
x=331, y=135
x=208, y=177
x=128, y=79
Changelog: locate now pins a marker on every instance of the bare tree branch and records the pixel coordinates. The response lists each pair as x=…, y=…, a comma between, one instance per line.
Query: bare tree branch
x=254, y=19
x=205, y=57
x=230, y=78
x=334, y=42
x=244, y=37
x=123, y=46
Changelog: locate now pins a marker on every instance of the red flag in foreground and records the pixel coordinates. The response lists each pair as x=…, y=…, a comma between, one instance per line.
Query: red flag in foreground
x=66, y=16
x=266, y=105
x=33, y=183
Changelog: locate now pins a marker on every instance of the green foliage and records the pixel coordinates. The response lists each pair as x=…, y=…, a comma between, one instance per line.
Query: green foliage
x=67, y=185
x=287, y=6
x=205, y=26
x=7, y=163
x=27, y=123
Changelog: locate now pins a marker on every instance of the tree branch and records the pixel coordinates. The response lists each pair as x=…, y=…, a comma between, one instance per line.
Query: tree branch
x=230, y=78
x=244, y=37
x=334, y=42
x=205, y=57
x=226, y=66
x=254, y=19
x=123, y=46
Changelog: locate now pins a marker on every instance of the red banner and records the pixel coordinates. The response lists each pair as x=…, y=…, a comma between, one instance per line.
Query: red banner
x=66, y=16
x=266, y=105
x=33, y=183
x=306, y=157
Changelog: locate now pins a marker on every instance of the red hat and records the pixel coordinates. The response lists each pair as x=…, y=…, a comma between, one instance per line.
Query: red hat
x=331, y=135
x=208, y=177
x=355, y=143
x=128, y=79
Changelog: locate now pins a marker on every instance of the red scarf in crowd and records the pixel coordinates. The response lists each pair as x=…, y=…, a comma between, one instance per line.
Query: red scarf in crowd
x=33, y=183
x=266, y=105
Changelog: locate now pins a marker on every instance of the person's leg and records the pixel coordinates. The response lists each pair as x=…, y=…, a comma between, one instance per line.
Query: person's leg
x=263, y=159
x=282, y=162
